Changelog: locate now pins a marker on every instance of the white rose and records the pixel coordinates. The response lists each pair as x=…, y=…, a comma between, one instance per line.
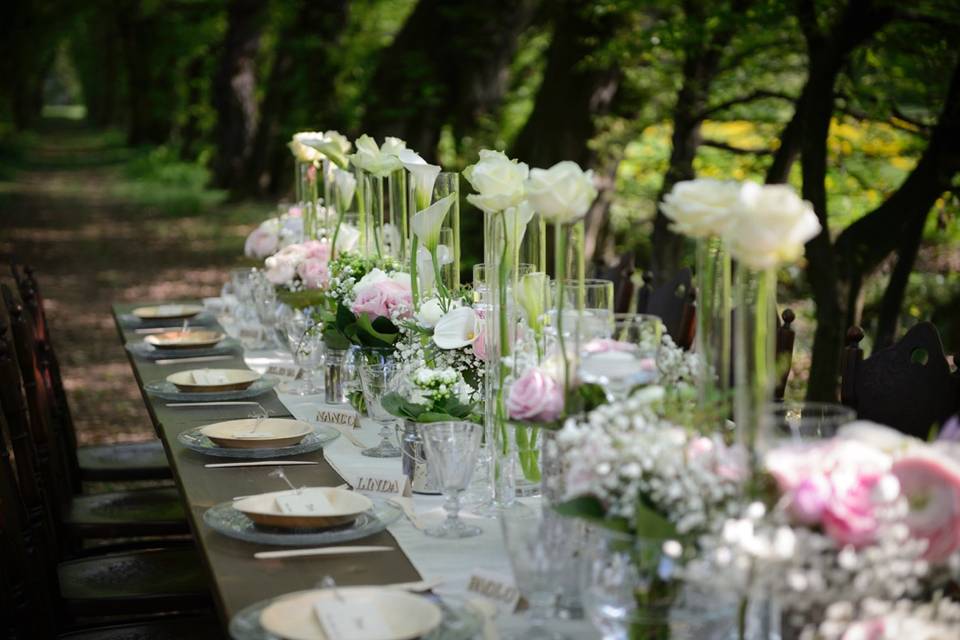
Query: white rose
x=261, y=243
x=302, y=152
x=498, y=180
x=392, y=146
x=347, y=237
x=701, y=208
x=769, y=226
x=561, y=194
x=280, y=269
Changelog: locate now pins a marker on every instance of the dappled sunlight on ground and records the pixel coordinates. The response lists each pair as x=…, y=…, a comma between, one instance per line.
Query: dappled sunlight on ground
x=66, y=215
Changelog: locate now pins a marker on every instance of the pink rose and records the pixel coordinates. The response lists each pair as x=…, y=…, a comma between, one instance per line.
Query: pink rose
x=931, y=485
x=727, y=462
x=260, y=244
x=479, y=345
x=313, y=273
x=868, y=630
x=384, y=298
x=810, y=498
x=535, y=397
x=849, y=517
x=295, y=211
x=280, y=270
x=317, y=249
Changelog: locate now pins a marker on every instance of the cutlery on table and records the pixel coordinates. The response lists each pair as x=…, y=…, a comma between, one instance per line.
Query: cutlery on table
x=417, y=587
x=406, y=505
x=166, y=361
x=341, y=486
x=258, y=463
x=321, y=551
x=223, y=403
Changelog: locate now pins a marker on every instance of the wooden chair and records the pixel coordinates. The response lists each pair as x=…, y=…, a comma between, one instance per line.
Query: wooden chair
x=44, y=596
x=786, y=336
x=674, y=302
x=116, y=462
x=907, y=385
x=116, y=514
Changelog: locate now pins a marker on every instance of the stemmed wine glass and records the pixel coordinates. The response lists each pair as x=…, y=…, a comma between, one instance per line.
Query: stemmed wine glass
x=452, y=451
x=801, y=423
x=265, y=301
x=626, y=360
x=304, y=341
x=377, y=368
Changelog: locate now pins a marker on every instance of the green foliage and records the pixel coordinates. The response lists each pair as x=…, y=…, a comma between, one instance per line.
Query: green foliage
x=446, y=410
x=158, y=178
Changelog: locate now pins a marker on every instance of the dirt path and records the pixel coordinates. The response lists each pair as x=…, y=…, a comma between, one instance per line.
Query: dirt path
x=68, y=212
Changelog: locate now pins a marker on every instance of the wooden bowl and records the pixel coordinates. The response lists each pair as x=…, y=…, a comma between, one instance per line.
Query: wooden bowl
x=272, y=433
x=193, y=339
x=345, y=507
x=212, y=380
x=168, y=311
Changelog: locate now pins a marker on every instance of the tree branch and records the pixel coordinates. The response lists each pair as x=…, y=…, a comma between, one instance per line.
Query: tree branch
x=719, y=144
x=760, y=94
x=807, y=16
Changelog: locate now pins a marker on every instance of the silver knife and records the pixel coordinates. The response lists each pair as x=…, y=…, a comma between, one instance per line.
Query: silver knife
x=166, y=361
x=321, y=551
x=221, y=403
x=258, y=463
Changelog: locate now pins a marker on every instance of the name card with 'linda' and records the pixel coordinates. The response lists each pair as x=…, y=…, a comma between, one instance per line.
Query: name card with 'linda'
x=394, y=484
x=495, y=586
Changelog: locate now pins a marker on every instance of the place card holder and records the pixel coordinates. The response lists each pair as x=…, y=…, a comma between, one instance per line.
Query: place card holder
x=496, y=587
x=345, y=620
x=286, y=372
x=389, y=485
x=338, y=417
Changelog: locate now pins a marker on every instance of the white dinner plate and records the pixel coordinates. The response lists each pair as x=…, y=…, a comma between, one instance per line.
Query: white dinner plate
x=167, y=311
x=191, y=339
x=404, y=615
x=340, y=507
x=246, y=433
x=213, y=380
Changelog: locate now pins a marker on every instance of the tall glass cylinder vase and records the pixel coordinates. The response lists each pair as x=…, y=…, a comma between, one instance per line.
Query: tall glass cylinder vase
x=498, y=318
x=714, y=325
x=307, y=198
x=397, y=214
x=449, y=182
x=755, y=345
x=364, y=222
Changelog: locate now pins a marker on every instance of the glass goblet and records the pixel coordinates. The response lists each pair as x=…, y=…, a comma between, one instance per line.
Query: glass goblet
x=309, y=354
x=534, y=548
x=452, y=450
x=377, y=369
x=293, y=325
x=801, y=423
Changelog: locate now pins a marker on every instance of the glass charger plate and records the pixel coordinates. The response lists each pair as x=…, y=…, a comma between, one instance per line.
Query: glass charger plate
x=195, y=441
x=167, y=391
x=226, y=520
x=460, y=621
x=130, y=321
x=148, y=351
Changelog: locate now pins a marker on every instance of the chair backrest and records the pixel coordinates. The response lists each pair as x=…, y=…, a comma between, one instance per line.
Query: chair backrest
x=620, y=274
x=28, y=575
x=786, y=336
x=907, y=385
x=60, y=483
x=29, y=290
x=674, y=302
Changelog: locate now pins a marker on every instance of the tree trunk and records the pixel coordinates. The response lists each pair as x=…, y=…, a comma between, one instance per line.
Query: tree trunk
x=234, y=92
x=149, y=82
x=447, y=65
x=298, y=93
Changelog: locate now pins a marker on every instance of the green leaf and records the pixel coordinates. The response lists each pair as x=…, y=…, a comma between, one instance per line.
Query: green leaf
x=434, y=416
x=650, y=524
x=376, y=338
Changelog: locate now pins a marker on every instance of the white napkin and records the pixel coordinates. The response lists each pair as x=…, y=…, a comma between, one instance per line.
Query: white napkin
x=304, y=503
x=206, y=377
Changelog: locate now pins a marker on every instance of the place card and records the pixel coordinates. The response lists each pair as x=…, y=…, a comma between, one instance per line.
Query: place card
x=386, y=484
x=350, y=620
x=495, y=586
x=210, y=377
x=302, y=502
x=250, y=333
x=290, y=372
x=338, y=417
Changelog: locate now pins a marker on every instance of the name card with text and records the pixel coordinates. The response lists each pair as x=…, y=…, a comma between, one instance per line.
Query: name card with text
x=288, y=372
x=394, y=484
x=496, y=587
x=339, y=417
x=250, y=333
x=350, y=620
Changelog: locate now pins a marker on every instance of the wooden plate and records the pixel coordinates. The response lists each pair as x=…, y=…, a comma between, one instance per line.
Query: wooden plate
x=405, y=615
x=272, y=433
x=193, y=339
x=345, y=507
x=193, y=381
x=168, y=311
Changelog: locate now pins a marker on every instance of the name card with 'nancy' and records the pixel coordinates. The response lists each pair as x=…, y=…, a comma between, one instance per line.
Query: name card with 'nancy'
x=338, y=417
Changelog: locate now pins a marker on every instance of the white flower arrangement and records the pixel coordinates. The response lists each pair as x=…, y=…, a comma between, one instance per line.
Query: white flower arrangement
x=875, y=619
x=625, y=455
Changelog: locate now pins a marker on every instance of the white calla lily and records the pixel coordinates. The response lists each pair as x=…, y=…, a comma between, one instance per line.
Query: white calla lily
x=517, y=218
x=425, y=273
x=345, y=184
x=330, y=144
x=423, y=175
x=373, y=159
x=427, y=223
x=347, y=238
x=456, y=329
x=302, y=152
x=431, y=312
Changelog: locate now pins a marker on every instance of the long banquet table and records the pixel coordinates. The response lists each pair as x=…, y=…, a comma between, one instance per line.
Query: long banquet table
x=236, y=578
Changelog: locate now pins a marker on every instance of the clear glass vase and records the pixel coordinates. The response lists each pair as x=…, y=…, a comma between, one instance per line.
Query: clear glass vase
x=634, y=588
x=526, y=442
x=336, y=374
x=714, y=325
x=307, y=197
x=396, y=215
x=448, y=182
x=755, y=343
